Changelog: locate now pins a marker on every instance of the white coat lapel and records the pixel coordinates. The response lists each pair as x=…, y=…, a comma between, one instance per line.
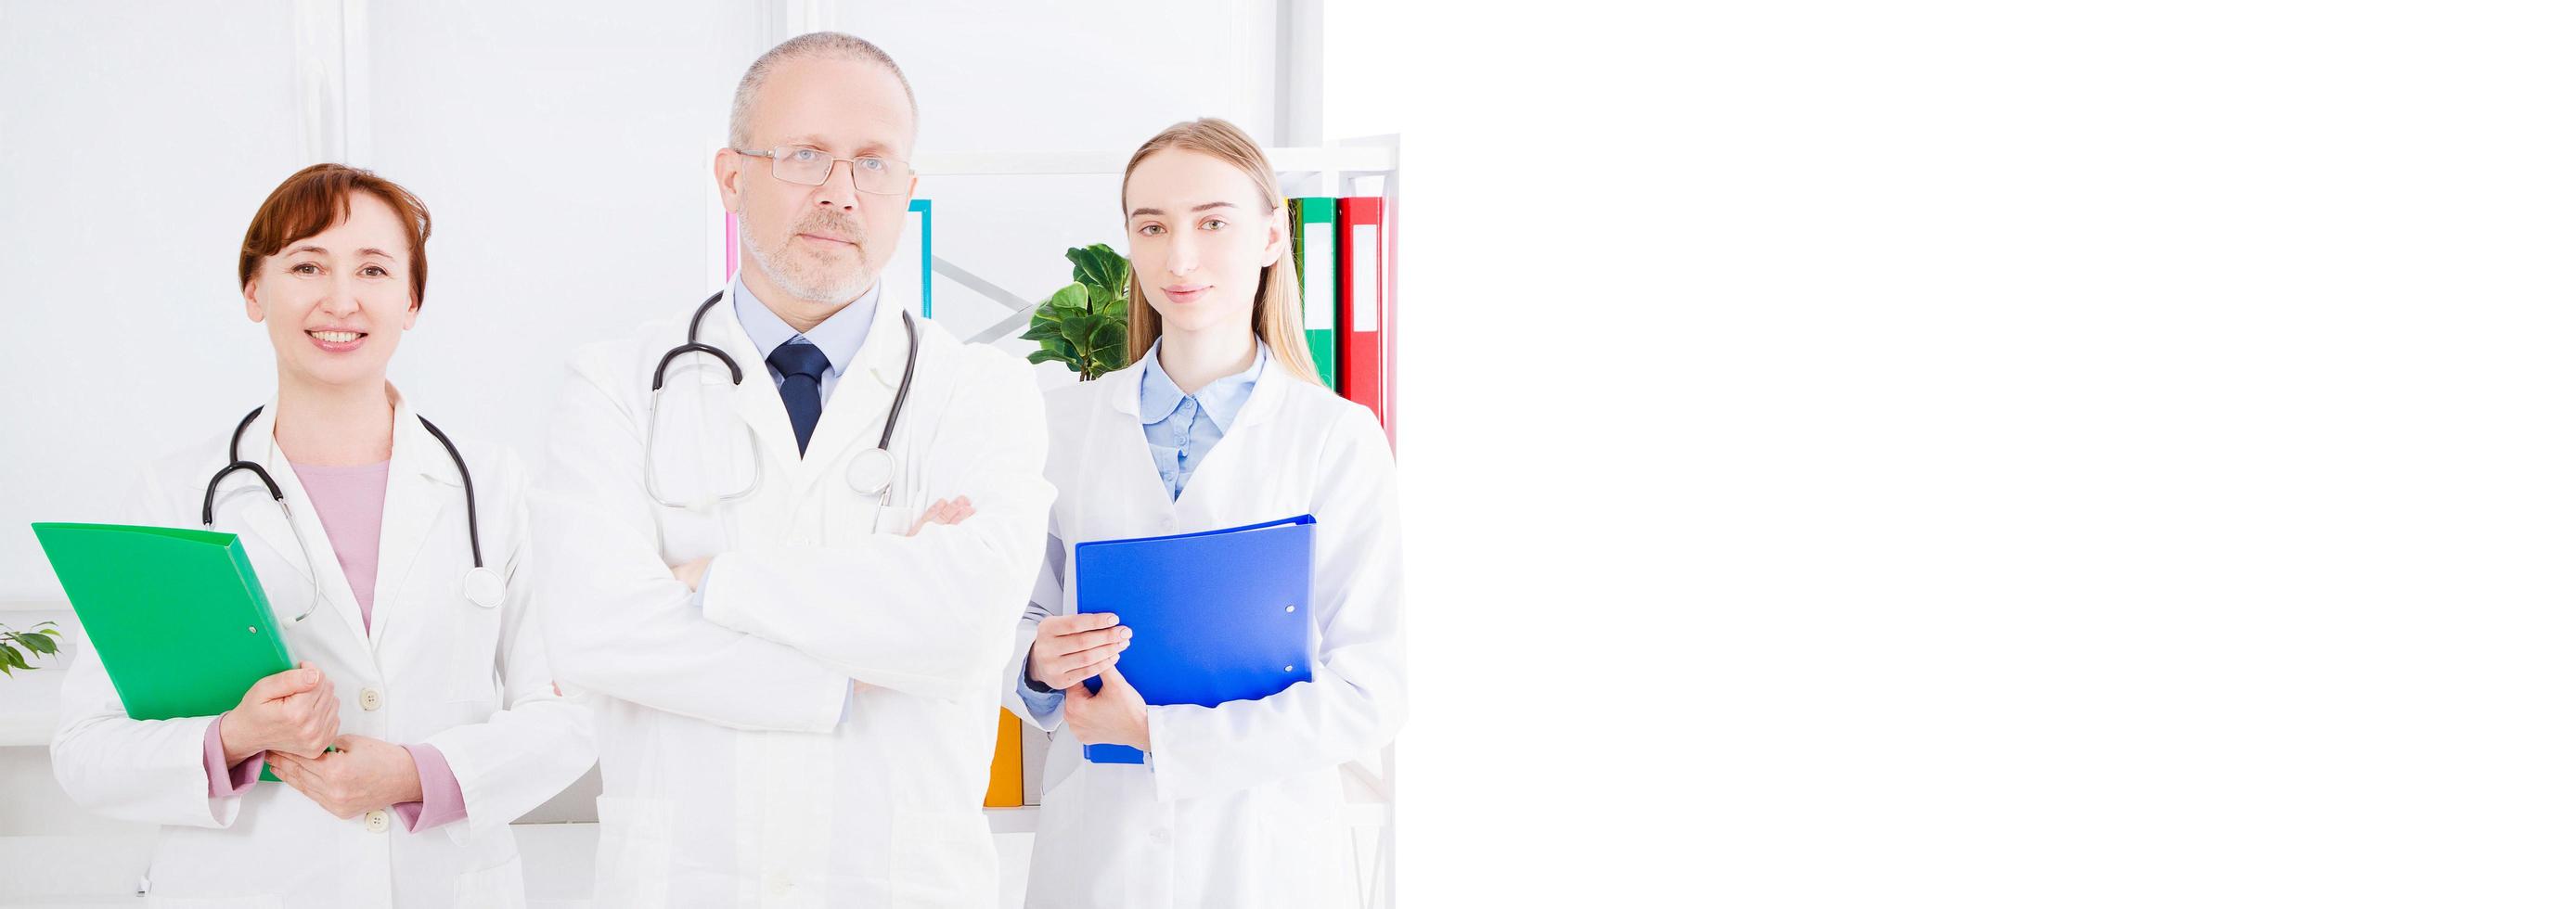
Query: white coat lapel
x=756, y=399
x=855, y=414
x=1132, y=474
x=1217, y=466
x=421, y=484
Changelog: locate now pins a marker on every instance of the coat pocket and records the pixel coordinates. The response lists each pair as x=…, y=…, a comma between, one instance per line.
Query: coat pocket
x=944, y=858
x=896, y=519
x=634, y=852
x=500, y=886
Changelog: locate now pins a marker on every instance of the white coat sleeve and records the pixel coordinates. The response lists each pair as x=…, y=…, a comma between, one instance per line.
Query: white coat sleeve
x=152, y=771
x=1046, y=598
x=1356, y=700
x=929, y=614
x=539, y=741
x=616, y=621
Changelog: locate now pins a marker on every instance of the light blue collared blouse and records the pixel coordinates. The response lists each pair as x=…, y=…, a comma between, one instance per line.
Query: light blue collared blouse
x=1181, y=428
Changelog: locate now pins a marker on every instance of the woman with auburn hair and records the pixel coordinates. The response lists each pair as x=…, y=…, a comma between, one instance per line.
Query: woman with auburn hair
x=1219, y=423
x=420, y=720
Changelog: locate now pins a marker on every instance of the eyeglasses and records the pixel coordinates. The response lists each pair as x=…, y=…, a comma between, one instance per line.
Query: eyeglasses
x=808, y=166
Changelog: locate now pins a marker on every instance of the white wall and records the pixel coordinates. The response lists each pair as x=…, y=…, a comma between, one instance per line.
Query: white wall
x=134, y=144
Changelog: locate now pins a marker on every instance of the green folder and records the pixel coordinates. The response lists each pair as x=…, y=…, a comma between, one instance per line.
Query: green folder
x=176, y=615
x=1319, y=278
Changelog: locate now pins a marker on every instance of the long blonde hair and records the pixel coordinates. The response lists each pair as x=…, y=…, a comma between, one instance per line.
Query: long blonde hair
x=1278, y=317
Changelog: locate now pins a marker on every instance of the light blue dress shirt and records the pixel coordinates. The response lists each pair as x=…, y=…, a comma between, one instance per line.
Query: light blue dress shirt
x=1180, y=429
x=839, y=337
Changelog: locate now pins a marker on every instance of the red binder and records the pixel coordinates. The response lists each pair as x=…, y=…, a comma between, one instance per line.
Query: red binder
x=1365, y=366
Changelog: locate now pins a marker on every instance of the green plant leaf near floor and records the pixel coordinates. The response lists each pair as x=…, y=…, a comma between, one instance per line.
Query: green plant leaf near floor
x=1084, y=325
x=36, y=641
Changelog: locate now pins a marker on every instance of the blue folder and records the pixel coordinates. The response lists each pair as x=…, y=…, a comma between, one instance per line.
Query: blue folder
x=1218, y=616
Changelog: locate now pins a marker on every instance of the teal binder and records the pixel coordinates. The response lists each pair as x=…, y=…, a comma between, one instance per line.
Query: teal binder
x=175, y=615
x=1319, y=278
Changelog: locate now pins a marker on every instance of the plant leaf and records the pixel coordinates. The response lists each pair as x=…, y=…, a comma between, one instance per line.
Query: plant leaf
x=9, y=657
x=37, y=642
x=1108, y=346
x=1072, y=298
x=1080, y=327
x=1098, y=266
x=1107, y=334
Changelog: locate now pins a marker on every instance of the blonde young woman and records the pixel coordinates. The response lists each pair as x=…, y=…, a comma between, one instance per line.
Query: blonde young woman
x=1220, y=422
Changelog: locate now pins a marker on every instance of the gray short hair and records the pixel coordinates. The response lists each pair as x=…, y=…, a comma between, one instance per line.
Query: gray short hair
x=811, y=44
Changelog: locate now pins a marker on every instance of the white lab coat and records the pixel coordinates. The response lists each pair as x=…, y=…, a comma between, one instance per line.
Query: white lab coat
x=739, y=768
x=1239, y=804
x=471, y=681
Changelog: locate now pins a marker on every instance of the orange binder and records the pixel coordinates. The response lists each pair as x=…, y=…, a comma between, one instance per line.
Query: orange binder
x=1004, y=792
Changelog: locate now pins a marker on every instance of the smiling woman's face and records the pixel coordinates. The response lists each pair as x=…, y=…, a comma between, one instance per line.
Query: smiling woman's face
x=336, y=303
x=1199, y=233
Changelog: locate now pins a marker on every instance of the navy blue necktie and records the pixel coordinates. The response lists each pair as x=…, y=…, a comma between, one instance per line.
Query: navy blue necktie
x=802, y=364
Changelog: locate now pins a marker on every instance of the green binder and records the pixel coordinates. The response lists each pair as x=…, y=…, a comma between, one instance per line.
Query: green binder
x=176, y=615
x=1319, y=278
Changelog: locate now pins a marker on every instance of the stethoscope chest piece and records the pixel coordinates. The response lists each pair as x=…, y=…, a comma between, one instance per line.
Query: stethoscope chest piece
x=872, y=472
x=483, y=587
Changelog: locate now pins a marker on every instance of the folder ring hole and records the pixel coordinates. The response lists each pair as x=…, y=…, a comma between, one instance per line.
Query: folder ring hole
x=1292, y=607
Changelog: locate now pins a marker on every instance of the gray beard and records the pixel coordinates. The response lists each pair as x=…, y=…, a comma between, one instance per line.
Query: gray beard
x=790, y=274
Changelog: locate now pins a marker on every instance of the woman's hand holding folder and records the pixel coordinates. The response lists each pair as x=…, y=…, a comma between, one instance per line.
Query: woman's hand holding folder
x=1113, y=716
x=1071, y=648
x=292, y=712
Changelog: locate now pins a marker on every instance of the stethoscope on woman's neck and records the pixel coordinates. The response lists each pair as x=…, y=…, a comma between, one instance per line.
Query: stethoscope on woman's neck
x=871, y=472
x=482, y=586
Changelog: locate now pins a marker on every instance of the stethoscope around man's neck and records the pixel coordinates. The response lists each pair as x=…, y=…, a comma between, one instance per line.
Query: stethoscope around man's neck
x=482, y=586
x=871, y=472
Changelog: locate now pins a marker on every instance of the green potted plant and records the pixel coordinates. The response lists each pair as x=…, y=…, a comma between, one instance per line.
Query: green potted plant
x=1084, y=325
x=37, y=641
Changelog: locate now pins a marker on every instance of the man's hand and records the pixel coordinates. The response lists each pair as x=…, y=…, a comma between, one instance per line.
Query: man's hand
x=1115, y=716
x=944, y=511
x=365, y=774
x=692, y=572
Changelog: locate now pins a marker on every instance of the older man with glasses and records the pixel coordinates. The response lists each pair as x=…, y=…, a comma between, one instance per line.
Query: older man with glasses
x=789, y=531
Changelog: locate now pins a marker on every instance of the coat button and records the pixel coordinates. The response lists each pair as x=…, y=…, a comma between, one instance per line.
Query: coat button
x=376, y=822
x=370, y=698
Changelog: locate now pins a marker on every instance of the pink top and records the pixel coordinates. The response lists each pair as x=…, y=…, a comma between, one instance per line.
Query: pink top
x=350, y=501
